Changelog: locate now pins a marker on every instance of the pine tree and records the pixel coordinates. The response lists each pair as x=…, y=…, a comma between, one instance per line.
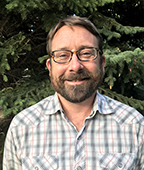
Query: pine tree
x=24, y=26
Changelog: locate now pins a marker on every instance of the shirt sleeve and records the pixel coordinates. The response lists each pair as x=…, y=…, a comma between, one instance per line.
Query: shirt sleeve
x=140, y=158
x=10, y=159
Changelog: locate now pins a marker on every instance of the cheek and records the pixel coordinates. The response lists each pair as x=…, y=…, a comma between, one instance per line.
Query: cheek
x=57, y=70
x=92, y=66
x=96, y=69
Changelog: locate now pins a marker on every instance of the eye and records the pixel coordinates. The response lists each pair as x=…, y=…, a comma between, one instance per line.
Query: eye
x=86, y=52
x=63, y=55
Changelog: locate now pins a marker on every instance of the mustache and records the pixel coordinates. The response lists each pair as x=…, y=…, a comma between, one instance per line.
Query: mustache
x=76, y=76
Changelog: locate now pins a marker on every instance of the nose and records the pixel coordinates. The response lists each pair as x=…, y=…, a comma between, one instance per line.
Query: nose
x=75, y=64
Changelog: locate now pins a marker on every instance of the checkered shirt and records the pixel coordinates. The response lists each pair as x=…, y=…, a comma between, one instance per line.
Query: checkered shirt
x=42, y=138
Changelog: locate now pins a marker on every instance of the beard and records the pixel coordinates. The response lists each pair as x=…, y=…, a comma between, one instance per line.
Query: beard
x=78, y=93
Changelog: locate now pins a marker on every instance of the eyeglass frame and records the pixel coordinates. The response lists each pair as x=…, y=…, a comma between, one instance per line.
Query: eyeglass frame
x=75, y=52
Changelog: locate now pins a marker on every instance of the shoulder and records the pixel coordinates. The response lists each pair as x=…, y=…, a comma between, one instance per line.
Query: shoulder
x=119, y=111
x=35, y=113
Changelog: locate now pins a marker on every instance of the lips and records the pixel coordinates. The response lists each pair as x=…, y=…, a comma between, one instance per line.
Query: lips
x=76, y=77
x=75, y=80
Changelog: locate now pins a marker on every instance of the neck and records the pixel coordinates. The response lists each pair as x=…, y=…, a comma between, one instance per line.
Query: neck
x=77, y=112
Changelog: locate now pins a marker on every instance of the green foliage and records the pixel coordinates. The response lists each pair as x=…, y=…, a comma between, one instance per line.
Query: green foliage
x=23, y=29
x=25, y=94
x=12, y=48
x=137, y=104
x=25, y=7
x=43, y=58
x=112, y=29
x=128, y=64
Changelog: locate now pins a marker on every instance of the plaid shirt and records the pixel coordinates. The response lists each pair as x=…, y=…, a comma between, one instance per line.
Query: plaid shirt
x=42, y=138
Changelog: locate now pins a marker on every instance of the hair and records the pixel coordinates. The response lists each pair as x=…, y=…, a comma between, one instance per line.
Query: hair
x=74, y=21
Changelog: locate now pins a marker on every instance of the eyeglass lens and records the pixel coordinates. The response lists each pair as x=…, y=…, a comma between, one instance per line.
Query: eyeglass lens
x=64, y=56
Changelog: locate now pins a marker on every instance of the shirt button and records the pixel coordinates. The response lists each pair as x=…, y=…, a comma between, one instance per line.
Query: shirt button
x=36, y=168
x=120, y=165
x=79, y=168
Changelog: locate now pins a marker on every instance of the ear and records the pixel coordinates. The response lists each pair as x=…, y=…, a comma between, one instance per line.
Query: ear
x=103, y=62
x=48, y=64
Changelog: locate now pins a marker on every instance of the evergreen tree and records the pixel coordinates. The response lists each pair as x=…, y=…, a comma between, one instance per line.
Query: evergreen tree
x=24, y=26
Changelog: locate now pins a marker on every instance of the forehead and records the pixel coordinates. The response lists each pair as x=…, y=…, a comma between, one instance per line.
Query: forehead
x=73, y=37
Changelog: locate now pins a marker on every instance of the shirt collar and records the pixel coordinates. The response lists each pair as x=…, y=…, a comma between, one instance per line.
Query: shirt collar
x=53, y=105
x=101, y=104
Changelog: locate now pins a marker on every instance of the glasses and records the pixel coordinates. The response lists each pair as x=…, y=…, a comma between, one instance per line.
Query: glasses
x=84, y=54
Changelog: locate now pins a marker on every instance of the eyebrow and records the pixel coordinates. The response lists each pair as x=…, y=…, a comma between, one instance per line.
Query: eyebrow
x=66, y=48
x=85, y=46
x=63, y=48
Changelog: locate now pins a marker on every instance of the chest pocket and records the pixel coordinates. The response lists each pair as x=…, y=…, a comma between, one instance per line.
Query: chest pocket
x=118, y=161
x=40, y=163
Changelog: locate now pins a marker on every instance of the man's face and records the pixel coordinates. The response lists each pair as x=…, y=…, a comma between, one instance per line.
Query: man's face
x=75, y=81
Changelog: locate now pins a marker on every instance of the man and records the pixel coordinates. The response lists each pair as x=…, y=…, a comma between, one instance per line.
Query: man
x=77, y=128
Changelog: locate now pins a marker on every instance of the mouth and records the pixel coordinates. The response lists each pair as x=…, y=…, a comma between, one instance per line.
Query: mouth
x=76, y=81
